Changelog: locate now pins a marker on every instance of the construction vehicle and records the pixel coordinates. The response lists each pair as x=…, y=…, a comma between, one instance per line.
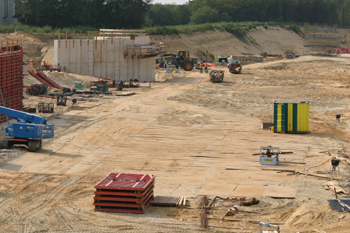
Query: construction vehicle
x=185, y=61
x=268, y=225
x=289, y=54
x=29, y=130
x=182, y=59
x=165, y=56
x=234, y=67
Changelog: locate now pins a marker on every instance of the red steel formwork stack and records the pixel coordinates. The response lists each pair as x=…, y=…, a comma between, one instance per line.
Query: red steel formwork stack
x=11, y=75
x=124, y=193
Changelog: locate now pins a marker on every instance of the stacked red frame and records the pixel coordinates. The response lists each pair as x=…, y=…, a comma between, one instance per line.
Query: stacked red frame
x=11, y=75
x=124, y=193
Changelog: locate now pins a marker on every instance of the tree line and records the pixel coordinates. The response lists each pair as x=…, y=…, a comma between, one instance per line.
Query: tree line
x=141, y=13
x=92, y=13
x=331, y=12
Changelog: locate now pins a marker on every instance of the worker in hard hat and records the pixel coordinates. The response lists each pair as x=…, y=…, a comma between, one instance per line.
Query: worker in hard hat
x=31, y=63
x=46, y=65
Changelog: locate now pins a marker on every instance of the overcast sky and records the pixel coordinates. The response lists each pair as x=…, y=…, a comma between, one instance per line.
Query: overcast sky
x=177, y=2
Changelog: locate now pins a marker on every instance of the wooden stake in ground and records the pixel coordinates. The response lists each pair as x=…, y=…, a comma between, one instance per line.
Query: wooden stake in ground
x=204, y=220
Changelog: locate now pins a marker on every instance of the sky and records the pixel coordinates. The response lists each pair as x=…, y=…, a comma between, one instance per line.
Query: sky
x=178, y=2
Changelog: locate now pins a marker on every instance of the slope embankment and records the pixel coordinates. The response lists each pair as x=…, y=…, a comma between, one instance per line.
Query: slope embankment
x=273, y=40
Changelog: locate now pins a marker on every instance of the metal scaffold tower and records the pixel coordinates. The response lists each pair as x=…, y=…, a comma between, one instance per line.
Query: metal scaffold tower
x=11, y=75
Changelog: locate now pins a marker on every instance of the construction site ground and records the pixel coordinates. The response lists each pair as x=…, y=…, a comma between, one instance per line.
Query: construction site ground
x=198, y=138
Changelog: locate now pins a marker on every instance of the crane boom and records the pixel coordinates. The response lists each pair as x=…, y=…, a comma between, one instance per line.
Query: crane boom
x=23, y=116
x=29, y=129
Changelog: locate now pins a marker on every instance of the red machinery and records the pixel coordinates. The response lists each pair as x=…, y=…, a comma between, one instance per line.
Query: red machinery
x=102, y=80
x=343, y=50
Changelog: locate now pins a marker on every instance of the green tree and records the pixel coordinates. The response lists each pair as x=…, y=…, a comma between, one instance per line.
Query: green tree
x=205, y=14
x=162, y=15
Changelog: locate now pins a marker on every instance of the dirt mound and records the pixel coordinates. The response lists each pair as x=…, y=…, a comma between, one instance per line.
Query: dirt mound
x=273, y=40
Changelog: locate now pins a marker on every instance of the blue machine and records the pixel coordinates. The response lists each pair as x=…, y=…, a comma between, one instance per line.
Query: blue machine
x=29, y=130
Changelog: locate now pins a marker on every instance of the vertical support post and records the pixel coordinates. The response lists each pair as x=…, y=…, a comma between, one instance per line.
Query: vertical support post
x=81, y=38
x=88, y=41
x=59, y=38
x=73, y=39
x=66, y=38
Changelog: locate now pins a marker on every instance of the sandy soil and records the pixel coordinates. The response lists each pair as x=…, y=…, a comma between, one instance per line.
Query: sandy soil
x=274, y=40
x=187, y=131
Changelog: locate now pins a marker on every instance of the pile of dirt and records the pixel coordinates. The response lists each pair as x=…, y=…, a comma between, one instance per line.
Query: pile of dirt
x=274, y=40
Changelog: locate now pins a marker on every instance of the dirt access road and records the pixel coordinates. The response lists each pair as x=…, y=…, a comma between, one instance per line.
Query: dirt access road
x=187, y=131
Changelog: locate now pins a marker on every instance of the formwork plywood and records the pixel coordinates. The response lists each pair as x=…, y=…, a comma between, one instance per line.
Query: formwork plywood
x=217, y=189
x=280, y=191
x=248, y=190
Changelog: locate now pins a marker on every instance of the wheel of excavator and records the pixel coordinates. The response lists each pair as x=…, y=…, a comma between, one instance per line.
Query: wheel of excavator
x=34, y=145
x=4, y=143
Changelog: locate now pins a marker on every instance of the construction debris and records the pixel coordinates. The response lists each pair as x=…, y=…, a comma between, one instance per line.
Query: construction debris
x=340, y=205
x=37, y=89
x=216, y=76
x=333, y=185
x=253, y=201
x=46, y=107
x=169, y=201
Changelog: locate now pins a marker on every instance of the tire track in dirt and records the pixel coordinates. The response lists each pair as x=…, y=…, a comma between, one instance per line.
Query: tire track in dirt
x=101, y=220
x=12, y=201
x=50, y=199
x=27, y=184
x=66, y=221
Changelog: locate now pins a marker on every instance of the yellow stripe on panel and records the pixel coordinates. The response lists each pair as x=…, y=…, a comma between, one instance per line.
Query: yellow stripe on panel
x=279, y=118
x=290, y=117
x=303, y=117
x=307, y=117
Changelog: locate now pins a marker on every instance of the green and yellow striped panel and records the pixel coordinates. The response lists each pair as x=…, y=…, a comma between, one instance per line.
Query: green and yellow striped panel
x=291, y=117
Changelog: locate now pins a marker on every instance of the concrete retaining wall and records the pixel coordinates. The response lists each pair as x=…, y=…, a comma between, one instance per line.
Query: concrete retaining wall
x=105, y=58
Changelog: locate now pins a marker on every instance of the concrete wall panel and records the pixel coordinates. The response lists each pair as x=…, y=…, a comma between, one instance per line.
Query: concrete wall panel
x=104, y=58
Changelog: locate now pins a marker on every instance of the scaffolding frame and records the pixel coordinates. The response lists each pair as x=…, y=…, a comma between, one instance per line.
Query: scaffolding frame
x=11, y=75
x=144, y=51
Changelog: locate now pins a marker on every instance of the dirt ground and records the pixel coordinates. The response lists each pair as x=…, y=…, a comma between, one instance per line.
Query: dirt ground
x=198, y=138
